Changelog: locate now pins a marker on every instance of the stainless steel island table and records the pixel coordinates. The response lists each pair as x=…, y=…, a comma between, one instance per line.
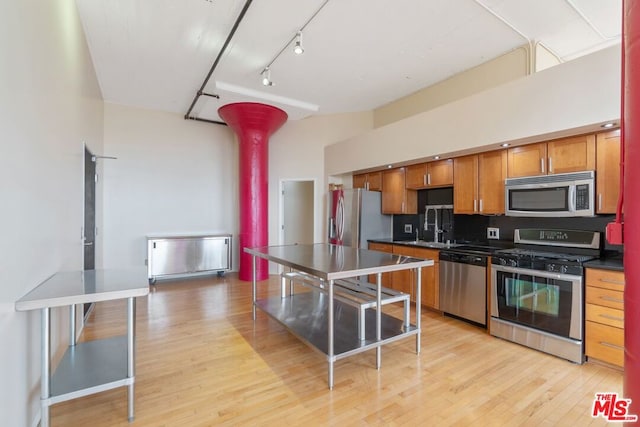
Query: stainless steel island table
x=93, y=366
x=322, y=321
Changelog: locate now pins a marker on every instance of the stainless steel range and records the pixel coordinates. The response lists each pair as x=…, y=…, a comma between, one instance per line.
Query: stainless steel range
x=537, y=290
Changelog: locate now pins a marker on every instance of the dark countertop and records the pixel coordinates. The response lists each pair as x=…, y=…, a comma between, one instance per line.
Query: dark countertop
x=478, y=247
x=415, y=244
x=606, y=263
x=387, y=240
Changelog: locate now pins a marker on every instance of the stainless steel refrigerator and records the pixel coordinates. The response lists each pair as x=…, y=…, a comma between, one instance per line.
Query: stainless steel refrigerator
x=355, y=217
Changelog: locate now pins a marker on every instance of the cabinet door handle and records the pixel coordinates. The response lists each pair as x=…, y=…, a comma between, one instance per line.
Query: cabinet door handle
x=366, y=185
x=402, y=208
x=610, y=317
x=611, y=299
x=424, y=179
x=428, y=179
x=481, y=205
x=606, y=344
x=542, y=165
x=614, y=282
x=550, y=165
x=474, y=205
x=599, y=201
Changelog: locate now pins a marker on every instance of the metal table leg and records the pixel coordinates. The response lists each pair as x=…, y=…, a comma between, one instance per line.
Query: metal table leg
x=253, y=284
x=379, y=320
x=45, y=385
x=330, y=335
x=72, y=325
x=131, y=352
x=418, y=306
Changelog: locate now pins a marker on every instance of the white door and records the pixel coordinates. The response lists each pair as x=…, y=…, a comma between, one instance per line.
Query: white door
x=297, y=212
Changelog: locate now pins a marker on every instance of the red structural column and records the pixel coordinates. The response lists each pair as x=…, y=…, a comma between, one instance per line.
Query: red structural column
x=253, y=123
x=631, y=139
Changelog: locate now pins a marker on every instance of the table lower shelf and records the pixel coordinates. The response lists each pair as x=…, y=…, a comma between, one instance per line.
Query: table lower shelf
x=305, y=315
x=90, y=367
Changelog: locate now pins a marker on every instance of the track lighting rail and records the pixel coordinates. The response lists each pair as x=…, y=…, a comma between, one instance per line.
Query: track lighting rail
x=200, y=92
x=296, y=37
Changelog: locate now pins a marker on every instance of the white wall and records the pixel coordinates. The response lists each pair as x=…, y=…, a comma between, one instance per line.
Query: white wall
x=497, y=71
x=562, y=100
x=177, y=176
x=50, y=103
x=171, y=176
x=296, y=151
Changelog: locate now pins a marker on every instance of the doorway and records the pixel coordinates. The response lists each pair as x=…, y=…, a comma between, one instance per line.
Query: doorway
x=89, y=228
x=298, y=214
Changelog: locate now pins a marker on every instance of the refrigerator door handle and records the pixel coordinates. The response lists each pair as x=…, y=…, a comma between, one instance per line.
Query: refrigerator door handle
x=340, y=219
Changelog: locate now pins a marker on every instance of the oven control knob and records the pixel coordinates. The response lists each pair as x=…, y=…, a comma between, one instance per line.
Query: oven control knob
x=513, y=263
x=503, y=261
x=563, y=269
x=551, y=267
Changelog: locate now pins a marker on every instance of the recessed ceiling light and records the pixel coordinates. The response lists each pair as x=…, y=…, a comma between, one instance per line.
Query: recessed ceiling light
x=506, y=144
x=436, y=157
x=389, y=166
x=608, y=125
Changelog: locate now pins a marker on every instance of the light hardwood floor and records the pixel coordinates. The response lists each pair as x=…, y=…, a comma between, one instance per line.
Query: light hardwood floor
x=201, y=360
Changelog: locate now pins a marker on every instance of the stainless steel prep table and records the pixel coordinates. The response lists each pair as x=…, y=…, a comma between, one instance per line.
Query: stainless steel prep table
x=93, y=366
x=324, y=323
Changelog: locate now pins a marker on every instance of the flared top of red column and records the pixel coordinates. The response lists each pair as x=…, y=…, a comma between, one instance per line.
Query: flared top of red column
x=253, y=115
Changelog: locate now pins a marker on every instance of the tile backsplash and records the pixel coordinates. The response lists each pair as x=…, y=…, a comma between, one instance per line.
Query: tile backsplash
x=473, y=228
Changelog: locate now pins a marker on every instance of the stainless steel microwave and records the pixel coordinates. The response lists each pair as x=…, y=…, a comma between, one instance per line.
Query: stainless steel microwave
x=560, y=195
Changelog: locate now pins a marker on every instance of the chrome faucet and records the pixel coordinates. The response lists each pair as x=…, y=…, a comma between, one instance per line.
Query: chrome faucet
x=437, y=231
x=436, y=237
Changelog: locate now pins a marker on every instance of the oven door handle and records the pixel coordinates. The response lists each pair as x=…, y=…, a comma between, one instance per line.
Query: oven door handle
x=537, y=273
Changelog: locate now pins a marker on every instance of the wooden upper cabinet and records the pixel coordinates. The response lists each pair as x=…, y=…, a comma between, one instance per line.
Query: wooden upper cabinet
x=374, y=181
x=607, y=171
x=574, y=154
x=465, y=184
x=360, y=181
x=527, y=160
x=416, y=176
x=492, y=171
x=440, y=173
x=478, y=183
x=430, y=175
x=369, y=181
x=396, y=198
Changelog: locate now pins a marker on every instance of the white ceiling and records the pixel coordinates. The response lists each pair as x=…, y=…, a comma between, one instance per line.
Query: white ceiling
x=359, y=54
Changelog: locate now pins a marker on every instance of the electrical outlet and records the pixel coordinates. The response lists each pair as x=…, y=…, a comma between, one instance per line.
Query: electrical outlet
x=408, y=228
x=493, y=233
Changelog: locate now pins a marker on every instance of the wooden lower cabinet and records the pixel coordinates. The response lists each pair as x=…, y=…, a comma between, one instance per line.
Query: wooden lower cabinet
x=404, y=280
x=386, y=277
x=604, y=316
x=430, y=296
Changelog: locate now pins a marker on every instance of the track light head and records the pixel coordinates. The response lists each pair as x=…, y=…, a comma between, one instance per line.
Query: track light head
x=266, y=77
x=297, y=48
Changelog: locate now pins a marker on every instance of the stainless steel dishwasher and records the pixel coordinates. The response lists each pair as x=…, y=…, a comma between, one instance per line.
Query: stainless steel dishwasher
x=463, y=285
